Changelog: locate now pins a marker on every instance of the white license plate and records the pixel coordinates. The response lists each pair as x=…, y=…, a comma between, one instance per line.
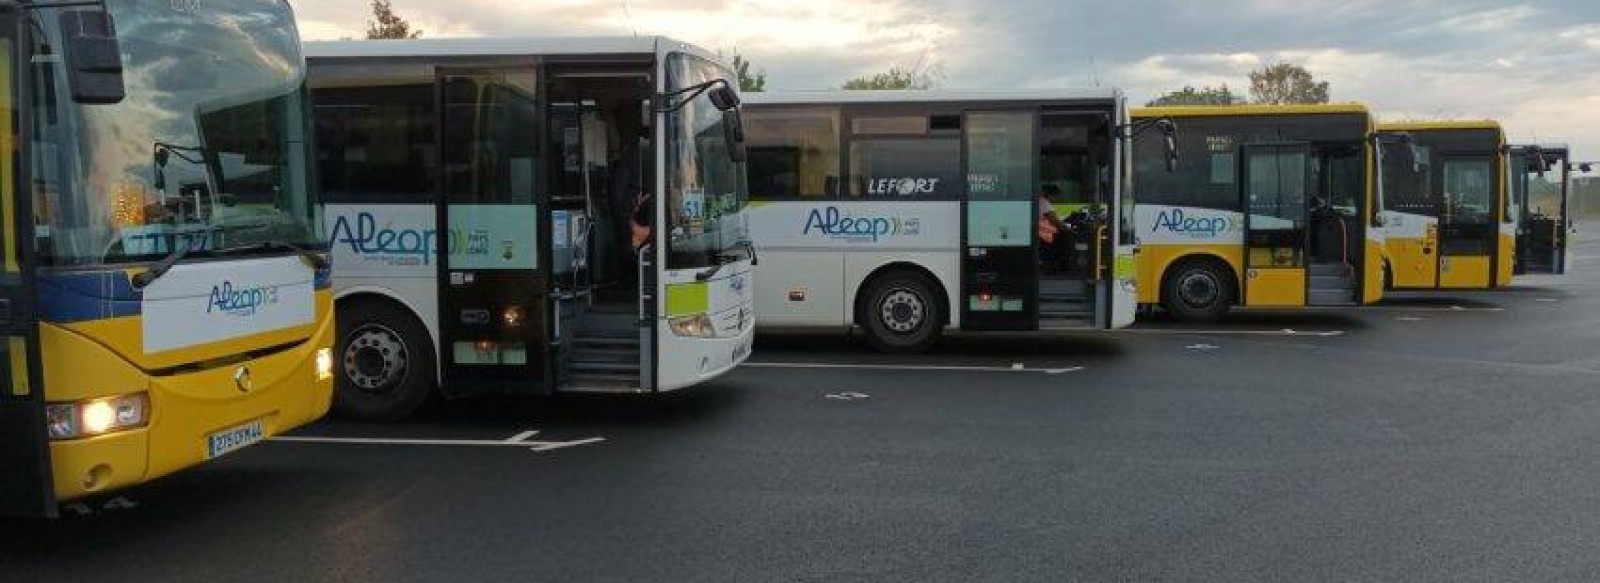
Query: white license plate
x=233, y=439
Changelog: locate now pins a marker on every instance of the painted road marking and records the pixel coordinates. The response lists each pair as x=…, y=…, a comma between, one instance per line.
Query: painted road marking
x=1411, y=318
x=825, y=365
x=522, y=440
x=848, y=396
x=1280, y=332
x=1203, y=347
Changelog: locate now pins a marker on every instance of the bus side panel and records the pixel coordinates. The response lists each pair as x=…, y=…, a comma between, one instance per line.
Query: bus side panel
x=1465, y=272
x=1372, y=277
x=1506, y=255
x=1156, y=260
x=801, y=288
x=388, y=249
x=1168, y=234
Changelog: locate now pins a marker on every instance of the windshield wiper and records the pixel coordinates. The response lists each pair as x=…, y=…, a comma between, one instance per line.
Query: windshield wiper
x=310, y=257
x=144, y=279
x=746, y=245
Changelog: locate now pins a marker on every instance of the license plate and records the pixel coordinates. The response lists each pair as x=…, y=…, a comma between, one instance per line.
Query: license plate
x=230, y=440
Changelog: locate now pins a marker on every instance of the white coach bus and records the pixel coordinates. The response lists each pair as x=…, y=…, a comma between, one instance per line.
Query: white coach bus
x=905, y=213
x=530, y=216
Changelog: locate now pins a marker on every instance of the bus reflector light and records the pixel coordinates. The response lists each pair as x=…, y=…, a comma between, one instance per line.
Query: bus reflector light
x=797, y=295
x=97, y=417
x=514, y=316
x=324, y=364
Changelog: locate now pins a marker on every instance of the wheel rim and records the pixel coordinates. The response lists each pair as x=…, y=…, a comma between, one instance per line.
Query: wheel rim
x=902, y=311
x=1199, y=289
x=375, y=359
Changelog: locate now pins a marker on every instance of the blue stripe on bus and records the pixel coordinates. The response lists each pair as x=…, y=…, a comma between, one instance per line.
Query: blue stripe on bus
x=67, y=297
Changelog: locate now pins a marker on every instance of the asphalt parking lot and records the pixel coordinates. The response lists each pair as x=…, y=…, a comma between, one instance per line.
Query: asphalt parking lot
x=1430, y=438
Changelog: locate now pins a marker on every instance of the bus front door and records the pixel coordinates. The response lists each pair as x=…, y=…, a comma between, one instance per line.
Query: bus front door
x=1541, y=203
x=27, y=486
x=494, y=306
x=1468, y=227
x=1275, y=181
x=1000, y=257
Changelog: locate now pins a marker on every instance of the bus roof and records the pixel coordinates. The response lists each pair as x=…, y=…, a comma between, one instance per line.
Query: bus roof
x=1243, y=110
x=500, y=46
x=1431, y=126
x=840, y=96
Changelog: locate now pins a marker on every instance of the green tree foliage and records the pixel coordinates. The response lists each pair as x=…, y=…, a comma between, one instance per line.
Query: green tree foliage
x=747, y=82
x=895, y=78
x=1203, y=96
x=1284, y=83
x=387, y=24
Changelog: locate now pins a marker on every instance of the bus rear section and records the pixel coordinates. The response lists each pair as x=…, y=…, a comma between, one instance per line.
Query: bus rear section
x=1540, y=181
x=908, y=213
x=1268, y=207
x=165, y=299
x=530, y=216
x=1447, y=221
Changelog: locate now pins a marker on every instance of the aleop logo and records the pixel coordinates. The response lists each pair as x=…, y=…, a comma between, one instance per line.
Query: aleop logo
x=365, y=237
x=244, y=301
x=1176, y=221
x=835, y=224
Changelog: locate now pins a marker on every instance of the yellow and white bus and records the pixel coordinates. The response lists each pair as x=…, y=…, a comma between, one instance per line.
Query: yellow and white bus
x=163, y=295
x=1270, y=206
x=910, y=213
x=530, y=216
x=1446, y=218
x=1541, y=180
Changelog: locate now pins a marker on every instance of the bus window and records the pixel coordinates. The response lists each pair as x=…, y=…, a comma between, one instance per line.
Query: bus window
x=1000, y=179
x=793, y=154
x=905, y=169
x=378, y=143
x=1468, y=192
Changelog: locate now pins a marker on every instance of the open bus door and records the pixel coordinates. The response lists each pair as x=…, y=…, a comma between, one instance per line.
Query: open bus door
x=1275, y=180
x=1541, y=191
x=26, y=488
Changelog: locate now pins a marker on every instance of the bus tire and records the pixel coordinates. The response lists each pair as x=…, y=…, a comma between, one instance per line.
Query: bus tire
x=902, y=313
x=385, y=367
x=1198, y=291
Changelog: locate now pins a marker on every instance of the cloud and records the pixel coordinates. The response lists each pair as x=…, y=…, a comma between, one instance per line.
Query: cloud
x=1529, y=63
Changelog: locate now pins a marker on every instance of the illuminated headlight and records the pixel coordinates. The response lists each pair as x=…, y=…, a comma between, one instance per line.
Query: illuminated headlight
x=696, y=326
x=324, y=364
x=98, y=416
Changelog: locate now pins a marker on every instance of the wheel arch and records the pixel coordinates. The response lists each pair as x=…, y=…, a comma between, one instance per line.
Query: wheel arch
x=356, y=295
x=858, y=299
x=1168, y=269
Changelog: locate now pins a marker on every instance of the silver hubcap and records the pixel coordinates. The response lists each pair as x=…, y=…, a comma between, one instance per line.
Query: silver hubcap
x=1199, y=289
x=902, y=311
x=375, y=358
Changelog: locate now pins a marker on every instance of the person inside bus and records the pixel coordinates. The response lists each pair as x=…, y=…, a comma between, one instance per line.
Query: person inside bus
x=642, y=219
x=1050, y=225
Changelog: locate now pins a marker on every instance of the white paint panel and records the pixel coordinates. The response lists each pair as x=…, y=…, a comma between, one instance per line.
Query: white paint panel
x=1399, y=225
x=200, y=303
x=856, y=226
x=391, y=241
x=1178, y=225
x=819, y=275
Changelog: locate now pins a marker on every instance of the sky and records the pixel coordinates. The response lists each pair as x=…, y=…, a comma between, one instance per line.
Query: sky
x=1535, y=66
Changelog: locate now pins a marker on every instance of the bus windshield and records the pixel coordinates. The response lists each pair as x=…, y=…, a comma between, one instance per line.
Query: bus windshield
x=206, y=153
x=706, y=189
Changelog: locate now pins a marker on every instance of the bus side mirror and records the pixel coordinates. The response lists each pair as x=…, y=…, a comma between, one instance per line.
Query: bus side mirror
x=93, y=57
x=724, y=98
x=733, y=135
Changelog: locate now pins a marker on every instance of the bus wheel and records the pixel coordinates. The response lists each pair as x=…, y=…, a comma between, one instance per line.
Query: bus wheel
x=902, y=314
x=386, y=363
x=1198, y=291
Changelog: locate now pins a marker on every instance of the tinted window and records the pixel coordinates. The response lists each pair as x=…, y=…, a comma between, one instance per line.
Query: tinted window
x=906, y=169
x=1408, y=186
x=490, y=150
x=377, y=144
x=1207, y=167
x=793, y=154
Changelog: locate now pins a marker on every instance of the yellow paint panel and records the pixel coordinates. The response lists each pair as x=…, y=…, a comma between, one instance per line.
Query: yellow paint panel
x=688, y=298
x=1507, y=261
x=1464, y=272
x=1154, y=260
x=1275, y=287
x=18, y=348
x=1413, y=262
x=1421, y=126
x=1372, y=287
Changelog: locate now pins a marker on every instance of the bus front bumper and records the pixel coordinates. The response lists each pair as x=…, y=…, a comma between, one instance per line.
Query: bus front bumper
x=185, y=409
x=687, y=361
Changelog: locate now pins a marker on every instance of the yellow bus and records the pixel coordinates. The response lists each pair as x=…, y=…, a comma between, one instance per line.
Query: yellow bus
x=1269, y=206
x=1446, y=222
x=163, y=294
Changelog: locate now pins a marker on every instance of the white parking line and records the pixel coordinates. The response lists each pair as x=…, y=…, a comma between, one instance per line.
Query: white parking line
x=519, y=440
x=825, y=365
x=1280, y=332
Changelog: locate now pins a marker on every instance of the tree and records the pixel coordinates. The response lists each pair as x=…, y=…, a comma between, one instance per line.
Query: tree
x=1284, y=83
x=747, y=82
x=1203, y=96
x=895, y=78
x=387, y=24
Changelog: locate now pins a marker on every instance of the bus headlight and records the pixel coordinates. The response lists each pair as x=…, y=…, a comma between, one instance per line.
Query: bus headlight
x=695, y=326
x=97, y=416
x=324, y=364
